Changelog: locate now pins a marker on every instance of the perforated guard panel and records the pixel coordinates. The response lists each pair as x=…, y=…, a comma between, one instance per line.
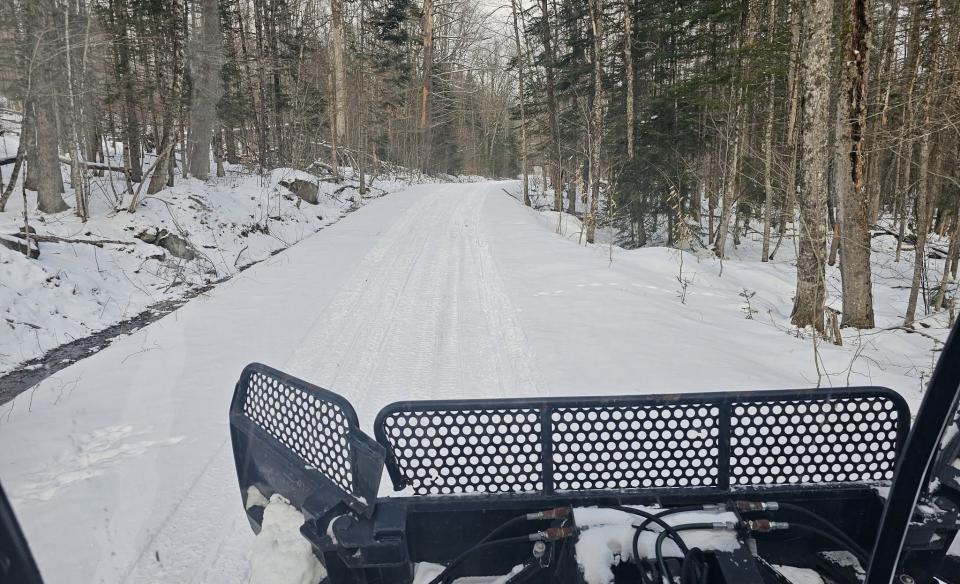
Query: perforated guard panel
x=313, y=428
x=302, y=441
x=713, y=441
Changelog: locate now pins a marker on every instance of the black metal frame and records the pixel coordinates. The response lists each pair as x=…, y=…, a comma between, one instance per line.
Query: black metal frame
x=925, y=458
x=16, y=562
x=380, y=540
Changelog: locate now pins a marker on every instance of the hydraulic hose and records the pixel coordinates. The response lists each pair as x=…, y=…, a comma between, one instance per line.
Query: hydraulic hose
x=861, y=555
x=668, y=529
x=658, y=518
x=826, y=526
x=663, y=535
x=671, y=511
x=487, y=540
x=448, y=571
x=766, y=526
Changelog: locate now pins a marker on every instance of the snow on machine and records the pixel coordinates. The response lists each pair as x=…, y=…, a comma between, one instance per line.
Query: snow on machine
x=818, y=485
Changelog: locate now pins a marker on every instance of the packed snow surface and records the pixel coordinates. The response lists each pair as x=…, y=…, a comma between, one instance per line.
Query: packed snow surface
x=120, y=467
x=280, y=554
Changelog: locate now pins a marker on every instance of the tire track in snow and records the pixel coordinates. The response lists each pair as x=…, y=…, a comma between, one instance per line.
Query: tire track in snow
x=424, y=316
x=207, y=517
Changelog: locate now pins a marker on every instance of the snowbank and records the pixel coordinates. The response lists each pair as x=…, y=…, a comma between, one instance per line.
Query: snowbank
x=280, y=554
x=112, y=267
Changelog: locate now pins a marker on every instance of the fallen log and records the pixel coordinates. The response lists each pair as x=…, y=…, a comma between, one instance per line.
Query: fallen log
x=937, y=253
x=55, y=239
x=95, y=165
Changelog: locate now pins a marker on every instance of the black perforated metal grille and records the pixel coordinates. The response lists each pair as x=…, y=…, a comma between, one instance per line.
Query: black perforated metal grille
x=467, y=451
x=813, y=441
x=314, y=429
x=707, y=441
x=623, y=447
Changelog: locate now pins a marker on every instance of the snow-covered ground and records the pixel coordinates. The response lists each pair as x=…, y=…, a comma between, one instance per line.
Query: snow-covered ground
x=74, y=288
x=120, y=468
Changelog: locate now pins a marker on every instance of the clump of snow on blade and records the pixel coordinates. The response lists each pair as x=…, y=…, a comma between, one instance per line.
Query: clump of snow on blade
x=799, y=575
x=255, y=498
x=424, y=572
x=607, y=538
x=280, y=554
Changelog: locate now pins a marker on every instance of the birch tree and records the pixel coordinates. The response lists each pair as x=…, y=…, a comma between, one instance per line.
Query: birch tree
x=815, y=71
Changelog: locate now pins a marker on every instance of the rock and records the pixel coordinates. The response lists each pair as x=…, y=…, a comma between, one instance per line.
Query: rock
x=304, y=189
x=176, y=245
x=21, y=246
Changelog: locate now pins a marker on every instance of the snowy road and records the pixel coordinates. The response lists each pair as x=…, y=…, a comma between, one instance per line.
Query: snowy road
x=120, y=465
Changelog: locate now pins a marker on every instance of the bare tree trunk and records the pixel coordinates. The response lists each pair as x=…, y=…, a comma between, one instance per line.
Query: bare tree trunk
x=949, y=272
x=263, y=140
x=78, y=172
x=815, y=64
x=885, y=66
x=922, y=228
x=628, y=64
x=523, y=110
x=339, y=71
x=205, y=72
x=729, y=177
x=550, y=81
x=43, y=22
x=218, y=150
x=711, y=193
x=426, y=90
x=574, y=188
x=906, y=126
x=171, y=96
x=854, y=200
x=25, y=128
x=131, y=127
x=932, y=68
x=837, y=174
x=768, y=144
x=596, y=118
x=793, y=91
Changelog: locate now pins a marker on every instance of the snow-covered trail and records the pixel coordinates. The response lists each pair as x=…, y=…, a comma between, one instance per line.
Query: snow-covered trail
x=120, y=466
x=423, y=315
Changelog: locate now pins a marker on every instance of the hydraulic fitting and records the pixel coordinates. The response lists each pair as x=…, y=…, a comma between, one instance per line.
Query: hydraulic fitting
x=765, y=525
x=555, y=513
x=751, y=506
x=552, y=534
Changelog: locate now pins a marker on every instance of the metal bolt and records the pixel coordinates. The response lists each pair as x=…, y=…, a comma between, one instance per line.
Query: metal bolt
x=906, y=579
x=540, y=548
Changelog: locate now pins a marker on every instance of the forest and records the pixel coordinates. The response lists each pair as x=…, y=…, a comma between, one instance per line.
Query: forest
x=386, y=280
x=817, y=123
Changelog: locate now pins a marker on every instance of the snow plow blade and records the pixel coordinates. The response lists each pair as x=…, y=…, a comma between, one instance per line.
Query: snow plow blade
x=543, y=478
